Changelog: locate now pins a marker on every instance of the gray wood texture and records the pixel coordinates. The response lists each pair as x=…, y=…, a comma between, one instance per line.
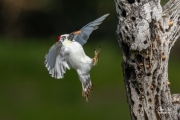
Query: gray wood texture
x=146, y=32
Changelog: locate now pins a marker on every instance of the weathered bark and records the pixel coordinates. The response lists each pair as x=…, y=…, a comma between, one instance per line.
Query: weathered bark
x=146, y=33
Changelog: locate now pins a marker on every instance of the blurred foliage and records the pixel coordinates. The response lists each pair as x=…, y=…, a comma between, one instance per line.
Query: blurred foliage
x=29, y=93
x=47, y=18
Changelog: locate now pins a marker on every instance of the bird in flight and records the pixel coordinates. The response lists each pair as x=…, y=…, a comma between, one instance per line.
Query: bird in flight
x=68, y=52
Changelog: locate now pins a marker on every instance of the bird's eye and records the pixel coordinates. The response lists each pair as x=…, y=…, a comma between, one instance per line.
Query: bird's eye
x=63, y=37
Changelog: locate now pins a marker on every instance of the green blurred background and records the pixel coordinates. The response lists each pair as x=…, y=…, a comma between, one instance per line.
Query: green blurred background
x=27, y=92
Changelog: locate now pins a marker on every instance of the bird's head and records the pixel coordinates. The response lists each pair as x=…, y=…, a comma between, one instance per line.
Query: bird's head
x=62, y=38
x=69, y=37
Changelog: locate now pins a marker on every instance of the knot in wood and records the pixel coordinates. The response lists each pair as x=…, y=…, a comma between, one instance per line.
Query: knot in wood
x=171, y=23
x=141, y=64
x=168, y=83
x=147, y=66
x=151, y=87
x=163, y=57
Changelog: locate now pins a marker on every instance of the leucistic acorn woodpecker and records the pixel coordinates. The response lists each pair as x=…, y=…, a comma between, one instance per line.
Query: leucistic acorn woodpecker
x=68, y=52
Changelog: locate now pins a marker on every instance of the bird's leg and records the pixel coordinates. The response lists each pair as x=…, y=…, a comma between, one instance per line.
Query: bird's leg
x=96, y=56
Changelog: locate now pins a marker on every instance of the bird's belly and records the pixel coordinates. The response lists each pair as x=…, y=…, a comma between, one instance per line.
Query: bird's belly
x=80, y=62
x=78, y=59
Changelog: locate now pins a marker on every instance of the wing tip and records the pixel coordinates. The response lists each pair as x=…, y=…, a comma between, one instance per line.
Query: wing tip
x=106, y=15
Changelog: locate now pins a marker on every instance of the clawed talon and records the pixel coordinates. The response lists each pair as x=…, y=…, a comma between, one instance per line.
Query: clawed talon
x=87, y=93
x=96, y=56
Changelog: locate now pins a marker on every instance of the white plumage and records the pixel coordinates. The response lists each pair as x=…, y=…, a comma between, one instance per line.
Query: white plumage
x=68, y=52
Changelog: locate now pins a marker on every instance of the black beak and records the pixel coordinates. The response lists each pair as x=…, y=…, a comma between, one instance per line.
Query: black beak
x=70, y=37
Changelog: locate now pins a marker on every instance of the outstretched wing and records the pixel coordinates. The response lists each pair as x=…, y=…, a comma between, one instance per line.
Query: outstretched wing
x=85, y=32
x=55, y=61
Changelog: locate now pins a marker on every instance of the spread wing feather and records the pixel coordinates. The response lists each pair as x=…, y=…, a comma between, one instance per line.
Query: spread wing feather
x=88, y=29
x=55, y=61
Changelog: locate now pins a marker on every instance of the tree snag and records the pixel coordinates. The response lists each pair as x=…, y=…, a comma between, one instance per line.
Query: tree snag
x=146, y=33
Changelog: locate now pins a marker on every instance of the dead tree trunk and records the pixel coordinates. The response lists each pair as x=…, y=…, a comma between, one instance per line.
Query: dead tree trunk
x=146, y=33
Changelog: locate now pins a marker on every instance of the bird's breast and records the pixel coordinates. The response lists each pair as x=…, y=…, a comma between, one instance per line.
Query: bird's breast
x=77, y=57
x=67, y=42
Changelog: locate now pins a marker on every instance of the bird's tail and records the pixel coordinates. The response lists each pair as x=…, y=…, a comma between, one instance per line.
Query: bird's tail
x=87, y=88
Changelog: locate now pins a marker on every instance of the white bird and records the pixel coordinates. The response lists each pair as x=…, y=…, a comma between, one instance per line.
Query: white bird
x=68, y=52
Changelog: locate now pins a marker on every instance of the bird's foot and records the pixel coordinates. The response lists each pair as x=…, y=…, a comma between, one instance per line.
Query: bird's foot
x=87, y=93
x=96, y=56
